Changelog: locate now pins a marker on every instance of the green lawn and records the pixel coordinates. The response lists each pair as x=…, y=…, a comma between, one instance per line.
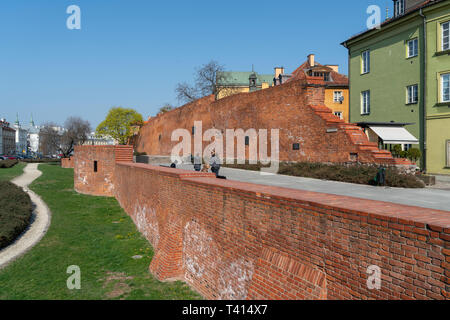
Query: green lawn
x=10, y=173
x=93, y=233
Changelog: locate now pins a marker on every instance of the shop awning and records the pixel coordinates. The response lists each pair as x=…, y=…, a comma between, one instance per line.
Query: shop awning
x=394, y=135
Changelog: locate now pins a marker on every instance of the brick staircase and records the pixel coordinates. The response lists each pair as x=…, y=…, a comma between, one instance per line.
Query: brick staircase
x=357, y=136
x=124, y=153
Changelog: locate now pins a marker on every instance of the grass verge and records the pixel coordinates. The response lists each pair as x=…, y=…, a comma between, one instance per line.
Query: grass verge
x=93, y=233
x=359, y=174
x=15, y=212
x=7, y=174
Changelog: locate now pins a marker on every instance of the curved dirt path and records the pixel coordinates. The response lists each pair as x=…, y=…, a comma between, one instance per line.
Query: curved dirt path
x=40, y=219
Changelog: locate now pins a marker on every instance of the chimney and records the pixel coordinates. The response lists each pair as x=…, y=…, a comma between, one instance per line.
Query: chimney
x=311, y=60
x=334, y=67
x=278, y=71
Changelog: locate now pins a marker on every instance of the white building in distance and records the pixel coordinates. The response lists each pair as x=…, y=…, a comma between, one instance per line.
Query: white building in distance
x=21, y=138
x=99, y=140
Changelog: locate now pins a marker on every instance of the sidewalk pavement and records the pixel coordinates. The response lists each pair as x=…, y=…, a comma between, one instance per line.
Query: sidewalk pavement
x=426, y=197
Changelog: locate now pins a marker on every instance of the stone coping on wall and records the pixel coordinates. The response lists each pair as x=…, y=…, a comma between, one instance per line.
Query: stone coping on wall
x=377, y=212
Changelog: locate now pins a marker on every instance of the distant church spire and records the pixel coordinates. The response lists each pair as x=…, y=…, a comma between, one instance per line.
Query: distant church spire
x=17, y=119
x=32, y=122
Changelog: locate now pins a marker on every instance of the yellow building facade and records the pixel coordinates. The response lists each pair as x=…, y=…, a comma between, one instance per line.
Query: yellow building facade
x=337, y=100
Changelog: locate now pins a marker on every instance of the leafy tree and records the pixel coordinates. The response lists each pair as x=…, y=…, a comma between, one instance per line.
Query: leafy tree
x=414, y=154
x=166, y=108
x=118, y=124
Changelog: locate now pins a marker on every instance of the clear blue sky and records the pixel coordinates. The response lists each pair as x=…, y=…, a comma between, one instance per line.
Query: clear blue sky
x=132, y=53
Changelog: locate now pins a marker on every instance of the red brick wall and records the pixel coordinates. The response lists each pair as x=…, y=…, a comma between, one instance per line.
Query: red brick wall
x=67, y=162
x=296, y=109
x=234, y=240
x=99, y=183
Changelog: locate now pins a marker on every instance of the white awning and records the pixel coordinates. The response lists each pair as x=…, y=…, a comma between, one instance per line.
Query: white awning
x=394, y=135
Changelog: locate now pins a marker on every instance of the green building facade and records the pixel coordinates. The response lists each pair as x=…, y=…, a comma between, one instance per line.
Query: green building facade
x=398, y=74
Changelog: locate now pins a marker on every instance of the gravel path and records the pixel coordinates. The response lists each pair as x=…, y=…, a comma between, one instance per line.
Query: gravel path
x=40, y=219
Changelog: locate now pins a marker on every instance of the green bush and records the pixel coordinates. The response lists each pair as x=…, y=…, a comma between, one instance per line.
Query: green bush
x=403, y=154
x=41, y=160
x=414, y=154
x=140, y=153
x=8, y=163
x=15, y=212
x=397, y=150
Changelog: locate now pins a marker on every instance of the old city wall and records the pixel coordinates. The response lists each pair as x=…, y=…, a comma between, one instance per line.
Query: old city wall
x=67, y=162
x=295, y=108
x=234, y=240
x=94, y=168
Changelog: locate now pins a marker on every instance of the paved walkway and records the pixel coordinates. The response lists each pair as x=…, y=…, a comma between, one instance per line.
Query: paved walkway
x=426, y=198
x=40, y=219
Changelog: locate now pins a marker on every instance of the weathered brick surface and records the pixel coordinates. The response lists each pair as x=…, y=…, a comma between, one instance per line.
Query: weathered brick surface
x=67, y=162
x=100, y=183
x=296, y=109
x=235, y=240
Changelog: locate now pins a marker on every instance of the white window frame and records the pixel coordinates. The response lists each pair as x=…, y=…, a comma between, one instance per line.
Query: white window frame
x=339, y=114
x=441, y=84
x=365, y=62
x=399, y=7
x=337, y=96
x=412, y=94
x=365, y=102
x=445, y=40
x=414, y=48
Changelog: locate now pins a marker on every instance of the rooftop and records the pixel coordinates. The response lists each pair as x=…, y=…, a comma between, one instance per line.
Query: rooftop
x=239, y=78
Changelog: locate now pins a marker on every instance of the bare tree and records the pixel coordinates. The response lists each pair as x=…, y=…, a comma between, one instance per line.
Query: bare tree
x=206, y=79
x=49, y=139
x=186, y=93
x=76, y=133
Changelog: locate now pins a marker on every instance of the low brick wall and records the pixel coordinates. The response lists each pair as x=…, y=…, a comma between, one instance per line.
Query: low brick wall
x=67, y=162
x=234, y=240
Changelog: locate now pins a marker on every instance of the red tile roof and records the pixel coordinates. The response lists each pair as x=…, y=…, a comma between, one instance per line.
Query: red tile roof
x=336, y=78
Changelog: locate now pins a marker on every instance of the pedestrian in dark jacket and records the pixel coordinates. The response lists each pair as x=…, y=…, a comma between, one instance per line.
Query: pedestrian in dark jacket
x=214, y=162
x=197, y=162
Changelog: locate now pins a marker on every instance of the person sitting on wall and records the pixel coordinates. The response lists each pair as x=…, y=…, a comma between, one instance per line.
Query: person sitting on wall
x=214, y=162
x=205, y=168
x=197, y=163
